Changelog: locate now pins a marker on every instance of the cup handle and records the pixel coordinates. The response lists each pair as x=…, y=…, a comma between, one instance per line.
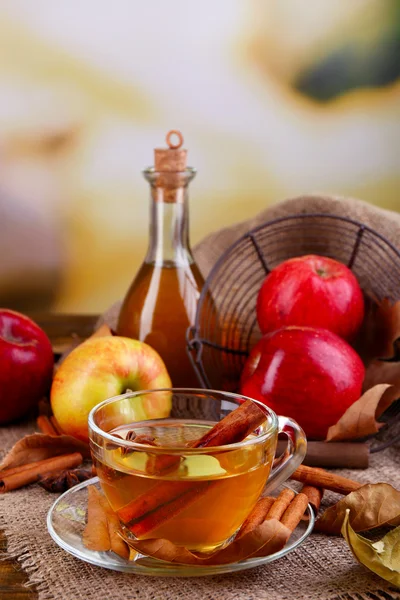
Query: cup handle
x=293, y=456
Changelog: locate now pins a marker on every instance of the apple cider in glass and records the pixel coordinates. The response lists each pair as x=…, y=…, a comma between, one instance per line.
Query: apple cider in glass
x=195, y=500
x=194, y=476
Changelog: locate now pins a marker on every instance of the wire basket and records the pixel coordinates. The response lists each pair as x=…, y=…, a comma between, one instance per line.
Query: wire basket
x=226, y=326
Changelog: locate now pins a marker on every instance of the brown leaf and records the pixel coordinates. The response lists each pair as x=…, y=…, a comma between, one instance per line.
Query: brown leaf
x=387, y=319
x=39, y=446
x=267, y=538
x=384, y=372
x=386, y=323
x=372, y=505
x=359, y=420
x=102, y=532
x=96, y=535
x=381, y=326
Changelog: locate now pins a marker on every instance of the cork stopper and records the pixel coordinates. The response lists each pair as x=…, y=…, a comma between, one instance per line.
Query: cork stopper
x=173, y=158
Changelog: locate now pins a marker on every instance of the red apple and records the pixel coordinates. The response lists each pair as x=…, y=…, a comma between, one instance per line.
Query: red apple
x=104, y=367
x=312, y=291
x=311, y=375
x=26, y=365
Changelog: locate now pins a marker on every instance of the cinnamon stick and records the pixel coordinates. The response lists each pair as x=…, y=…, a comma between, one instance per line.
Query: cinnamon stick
x=324, y=479
x=314, y=495
x=162, y=493
x=294, y=512
x=45, y=425
x=144, y=438
x=257, y=515
x=280, y=504
x=235, y=427
x=156, y=464
x=26, y=476
x=21, y=468
x=56, y=426
x=154, y=519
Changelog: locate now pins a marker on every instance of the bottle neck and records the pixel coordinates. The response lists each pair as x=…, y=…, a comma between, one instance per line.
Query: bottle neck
x=169, y=220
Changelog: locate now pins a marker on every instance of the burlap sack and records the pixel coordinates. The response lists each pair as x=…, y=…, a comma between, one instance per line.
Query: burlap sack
x=385, y=222
x=322, y=569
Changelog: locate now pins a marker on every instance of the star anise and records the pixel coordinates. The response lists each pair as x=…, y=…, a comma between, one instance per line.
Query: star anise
x=64, y=480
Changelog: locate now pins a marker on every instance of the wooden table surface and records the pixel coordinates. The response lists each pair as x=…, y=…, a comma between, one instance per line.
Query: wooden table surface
x=12, y=578
x=62, y=330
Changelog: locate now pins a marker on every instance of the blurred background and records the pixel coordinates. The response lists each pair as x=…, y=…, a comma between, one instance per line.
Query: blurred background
x=275, y=98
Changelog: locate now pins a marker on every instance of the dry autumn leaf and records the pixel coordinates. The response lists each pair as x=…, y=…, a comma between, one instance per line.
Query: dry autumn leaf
x=372, y=505
x=381, y=557
x=378, y=372
x=387, y=318
x=102, y=530
x=39, y=446
x=95, y=535
x=267, y=538
x=385, y=366
x=359, y=420
x=381, y=326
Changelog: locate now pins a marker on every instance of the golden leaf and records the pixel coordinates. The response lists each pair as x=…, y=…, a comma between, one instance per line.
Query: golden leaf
x=382, y=557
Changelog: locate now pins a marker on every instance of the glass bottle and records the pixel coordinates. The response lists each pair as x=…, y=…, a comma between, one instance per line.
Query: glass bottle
x=161, y=302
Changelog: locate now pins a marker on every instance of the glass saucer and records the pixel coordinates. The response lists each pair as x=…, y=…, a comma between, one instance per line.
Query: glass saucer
x=66, y=521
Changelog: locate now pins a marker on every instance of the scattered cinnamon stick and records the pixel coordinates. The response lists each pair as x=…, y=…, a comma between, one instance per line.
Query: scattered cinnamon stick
x=281, y=503
x=56, y=426
x=314, y=495
x=257, y=515
x=294, y=512
x=45, y=425
x=324, y=479
x=352, y=455
x=26, y=476
x=20, y=469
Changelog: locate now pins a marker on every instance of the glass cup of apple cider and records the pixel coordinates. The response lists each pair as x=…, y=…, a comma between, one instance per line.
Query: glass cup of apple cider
x=195, y=476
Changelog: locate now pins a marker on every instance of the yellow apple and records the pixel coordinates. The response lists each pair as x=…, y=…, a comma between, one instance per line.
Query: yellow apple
x=104, y=367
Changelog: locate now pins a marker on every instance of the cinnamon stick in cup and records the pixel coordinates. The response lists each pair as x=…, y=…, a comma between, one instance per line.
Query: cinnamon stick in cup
x=235, y=427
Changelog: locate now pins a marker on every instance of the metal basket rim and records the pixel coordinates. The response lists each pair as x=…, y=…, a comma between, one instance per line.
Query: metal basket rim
x=361, y=227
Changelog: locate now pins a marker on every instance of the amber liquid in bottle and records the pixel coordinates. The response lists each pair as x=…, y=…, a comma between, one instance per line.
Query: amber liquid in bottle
x=162, y=300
